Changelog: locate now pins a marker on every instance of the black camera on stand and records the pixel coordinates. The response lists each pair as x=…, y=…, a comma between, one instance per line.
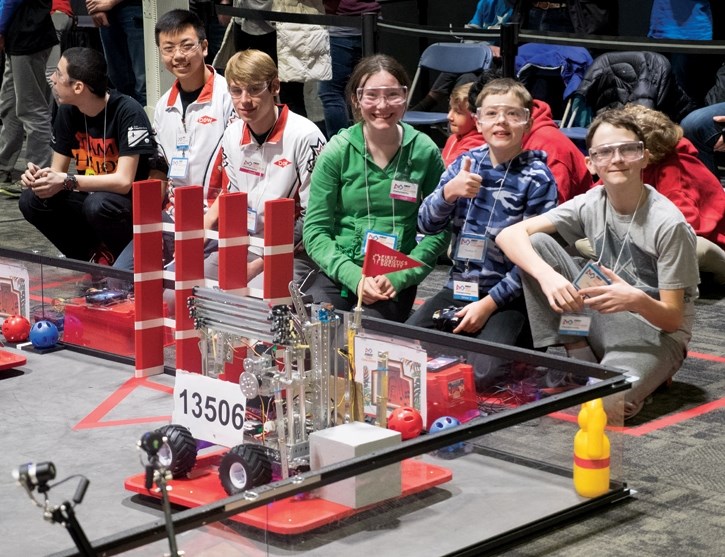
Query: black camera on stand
x=151, y=443
x=445, y=319
x=33, y=476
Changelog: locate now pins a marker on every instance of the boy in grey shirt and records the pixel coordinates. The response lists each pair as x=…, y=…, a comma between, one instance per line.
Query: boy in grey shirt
x=634, y=308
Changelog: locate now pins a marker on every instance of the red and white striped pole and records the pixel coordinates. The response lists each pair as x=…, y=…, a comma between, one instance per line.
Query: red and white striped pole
x=279, y=226
x=148, y=278
x=189, y=257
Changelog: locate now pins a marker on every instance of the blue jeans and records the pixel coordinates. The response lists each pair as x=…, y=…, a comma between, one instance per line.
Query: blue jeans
x=77, y=223
x=345, y=53
x=123, y=46
x=703, y=131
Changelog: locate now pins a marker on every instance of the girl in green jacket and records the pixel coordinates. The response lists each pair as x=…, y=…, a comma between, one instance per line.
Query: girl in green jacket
x=369, y=183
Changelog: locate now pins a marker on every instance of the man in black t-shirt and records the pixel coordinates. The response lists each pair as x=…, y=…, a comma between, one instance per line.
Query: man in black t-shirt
x=108, y=136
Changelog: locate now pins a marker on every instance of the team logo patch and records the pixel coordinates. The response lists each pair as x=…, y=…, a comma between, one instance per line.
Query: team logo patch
x=137, y=136
x=282, y=163
x=206, y=120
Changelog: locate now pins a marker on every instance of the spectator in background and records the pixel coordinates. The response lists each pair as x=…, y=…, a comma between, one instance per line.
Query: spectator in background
x=690, y=20
x=705, y=126
x=464, y=131
x=489, y=14
x=300, y=52
x=27, y=36
x=675, y=171
x=62, y=15
x=120, y=23
x=345, y=51
x=214, y=25
x=583, y=17
x=87, y=215
x=564, y=158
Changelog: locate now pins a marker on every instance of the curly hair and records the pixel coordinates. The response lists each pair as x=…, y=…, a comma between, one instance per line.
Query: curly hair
x=661, y=133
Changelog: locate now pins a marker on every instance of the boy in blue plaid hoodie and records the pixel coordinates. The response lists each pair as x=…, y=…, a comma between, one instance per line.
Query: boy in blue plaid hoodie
x=482, y=192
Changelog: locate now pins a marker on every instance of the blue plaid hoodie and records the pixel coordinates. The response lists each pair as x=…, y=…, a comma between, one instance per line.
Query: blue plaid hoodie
x=528, y=189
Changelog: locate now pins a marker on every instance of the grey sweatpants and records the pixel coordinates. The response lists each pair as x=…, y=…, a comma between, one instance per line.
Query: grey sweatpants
x=619, y=340
x=24, y=110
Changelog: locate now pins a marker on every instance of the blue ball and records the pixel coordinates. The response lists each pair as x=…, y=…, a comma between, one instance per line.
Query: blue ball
x=44, y=334
x=443, y=423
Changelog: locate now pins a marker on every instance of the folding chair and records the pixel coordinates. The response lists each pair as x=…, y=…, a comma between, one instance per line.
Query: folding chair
x=456, y=58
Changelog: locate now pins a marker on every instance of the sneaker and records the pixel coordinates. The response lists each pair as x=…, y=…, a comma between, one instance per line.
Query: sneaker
x=8, y=187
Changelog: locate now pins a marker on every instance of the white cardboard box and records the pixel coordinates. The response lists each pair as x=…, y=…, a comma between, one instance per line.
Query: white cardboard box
x=351, y=440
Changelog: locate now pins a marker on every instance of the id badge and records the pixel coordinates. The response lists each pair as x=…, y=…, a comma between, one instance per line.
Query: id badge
x=463, y=290
x=179, y=167
x=472, y=247
x=405, y=191
x=255, y=167
x=590, y=275
x=390, y=240
x=577, y=324
x=182, y=139
x=252, y=221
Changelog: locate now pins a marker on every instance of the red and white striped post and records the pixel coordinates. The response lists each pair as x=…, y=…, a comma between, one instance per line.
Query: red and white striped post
x=189, y=257
x=233, y=242
x=279, y=227
x=148, y=278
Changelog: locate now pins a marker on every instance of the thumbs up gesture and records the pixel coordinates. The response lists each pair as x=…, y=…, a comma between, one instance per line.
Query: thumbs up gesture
x=465, y=184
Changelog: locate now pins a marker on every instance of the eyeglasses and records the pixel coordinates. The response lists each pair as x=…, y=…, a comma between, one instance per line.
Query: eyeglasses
x=253, y=90
x=629, y=151
x=184, y=48
x=512, y=114
x=370, y=97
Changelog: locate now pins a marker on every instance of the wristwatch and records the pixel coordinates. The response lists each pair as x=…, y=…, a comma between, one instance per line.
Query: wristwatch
x=70, y=183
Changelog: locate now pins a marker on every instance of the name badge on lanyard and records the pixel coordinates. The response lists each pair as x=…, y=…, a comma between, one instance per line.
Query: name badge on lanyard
x=253, y=221
x=255, y=167
x=404, y=191
x=463, y=290
x=390, y=240
x=179, y=167
x=183, y=139
x=576, y=324
x=472, y=247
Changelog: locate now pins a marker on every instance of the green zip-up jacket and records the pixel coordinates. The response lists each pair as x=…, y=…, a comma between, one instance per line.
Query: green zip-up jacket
x=339, y=212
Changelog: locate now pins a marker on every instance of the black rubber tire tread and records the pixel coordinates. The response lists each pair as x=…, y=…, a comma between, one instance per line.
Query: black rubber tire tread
x=183, y=449
x=256, y=461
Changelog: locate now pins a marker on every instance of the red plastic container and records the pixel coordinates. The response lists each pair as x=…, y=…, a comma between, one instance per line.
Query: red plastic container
x=106, y=328
x=451, y=392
